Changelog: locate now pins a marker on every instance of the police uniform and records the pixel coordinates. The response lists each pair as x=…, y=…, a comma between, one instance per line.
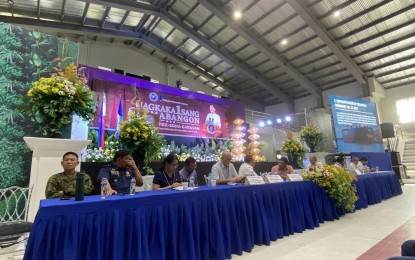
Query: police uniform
x=118, y=178
x=61, y=184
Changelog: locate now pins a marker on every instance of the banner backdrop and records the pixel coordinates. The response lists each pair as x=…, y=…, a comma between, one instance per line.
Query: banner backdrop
x=356, y=125
x=174, y=111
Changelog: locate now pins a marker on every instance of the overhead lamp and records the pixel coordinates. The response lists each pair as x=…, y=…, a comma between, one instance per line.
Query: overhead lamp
x=284, y=41
x=269, y=122
x=279, y=120
x=337, y=13
x=237, y=14
x=287, y=118
x=261, y=124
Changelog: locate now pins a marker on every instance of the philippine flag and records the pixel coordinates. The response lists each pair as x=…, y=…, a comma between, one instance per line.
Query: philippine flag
x=102, y=121
x=119, y=118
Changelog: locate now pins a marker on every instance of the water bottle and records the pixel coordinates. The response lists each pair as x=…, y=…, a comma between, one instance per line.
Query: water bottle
x=132, y=186
x=104, y=188
x=377, y=168
x=192, y=181
x=80, y=186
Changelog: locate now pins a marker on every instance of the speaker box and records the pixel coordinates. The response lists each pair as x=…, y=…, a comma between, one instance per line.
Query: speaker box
x=388, y=130
x=148, y=78
x=133, y=75
x=119, y=71
x=395, y=158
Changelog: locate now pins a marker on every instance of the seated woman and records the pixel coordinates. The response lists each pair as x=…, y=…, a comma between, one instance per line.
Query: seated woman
x=282, y=169
x=167, y=177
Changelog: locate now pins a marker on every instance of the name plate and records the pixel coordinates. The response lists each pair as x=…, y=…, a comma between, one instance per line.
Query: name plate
x=295, y=177
x=254, y=180
x=274, y=178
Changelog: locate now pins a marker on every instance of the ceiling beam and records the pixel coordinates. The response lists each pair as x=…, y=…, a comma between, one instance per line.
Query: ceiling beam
x=63, y=10
x=263, y=48
x=318, y=28
x=168, y=51
x=38, y=9
x=195, y=35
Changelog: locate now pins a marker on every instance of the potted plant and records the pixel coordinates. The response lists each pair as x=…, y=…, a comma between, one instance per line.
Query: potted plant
x=312, y=136
x=142, y=139
x=54, y=100
x=294, y=150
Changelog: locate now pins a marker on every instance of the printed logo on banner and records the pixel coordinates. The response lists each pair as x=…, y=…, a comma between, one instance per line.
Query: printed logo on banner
x=153, y=96
x=150, y=119
x=211, y=129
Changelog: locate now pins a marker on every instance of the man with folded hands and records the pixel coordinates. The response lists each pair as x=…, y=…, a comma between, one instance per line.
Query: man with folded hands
x=247, y=168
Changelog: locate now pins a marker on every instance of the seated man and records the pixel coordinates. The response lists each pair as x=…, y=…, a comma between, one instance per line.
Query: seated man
x=313, y=163
x=247, y=168
x=223, y=171
x=353, y=166
x=339, y=162
x=120, y=172
x=64, y=183
x=189, y=171
x=282, y=169
x=362, y=165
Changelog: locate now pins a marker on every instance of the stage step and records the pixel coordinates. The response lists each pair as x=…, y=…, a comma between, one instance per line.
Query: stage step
x=409, y=146
x=409, y=163
x=409, y=134
x=408, y=181
x=409, y=153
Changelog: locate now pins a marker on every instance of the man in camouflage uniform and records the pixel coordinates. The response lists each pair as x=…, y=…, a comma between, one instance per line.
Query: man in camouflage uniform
x=64, y=183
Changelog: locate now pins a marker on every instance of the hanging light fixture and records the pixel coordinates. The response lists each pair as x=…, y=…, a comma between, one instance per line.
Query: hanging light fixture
x=237, y=14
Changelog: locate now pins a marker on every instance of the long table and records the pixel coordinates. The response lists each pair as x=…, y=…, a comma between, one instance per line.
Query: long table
x=372, y=188
x=206, y=223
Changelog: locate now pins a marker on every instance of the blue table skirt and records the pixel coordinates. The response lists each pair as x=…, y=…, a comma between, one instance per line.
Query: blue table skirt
x=372, y=188
x=207, y=223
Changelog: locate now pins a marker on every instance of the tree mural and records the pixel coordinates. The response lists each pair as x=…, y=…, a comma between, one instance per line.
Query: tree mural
x=25, y=56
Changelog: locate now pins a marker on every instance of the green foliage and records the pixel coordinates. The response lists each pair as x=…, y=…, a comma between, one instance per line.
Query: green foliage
x=93, y=136
x=139, y=135
x=112, y=145
x=11, y=130
x=294, y=149
x=311, y=135
x=209, y=151
x=25, y=56
x=54, y=100
x=337, y=182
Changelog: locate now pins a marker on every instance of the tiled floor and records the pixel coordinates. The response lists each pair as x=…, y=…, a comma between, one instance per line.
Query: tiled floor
x=373, y=233
x=350, y=237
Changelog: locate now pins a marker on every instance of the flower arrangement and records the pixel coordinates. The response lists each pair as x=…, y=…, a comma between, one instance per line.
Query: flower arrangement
x=205, y=152
x=294, y=149
x=97, y=155
x=311, y=135
x=53, y=100
x=139, y=135
x=337, y=182
x=103, y=155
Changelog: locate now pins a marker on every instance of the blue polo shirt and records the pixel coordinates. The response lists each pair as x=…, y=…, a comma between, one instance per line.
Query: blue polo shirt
x=164, y=180
x=118, y=178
